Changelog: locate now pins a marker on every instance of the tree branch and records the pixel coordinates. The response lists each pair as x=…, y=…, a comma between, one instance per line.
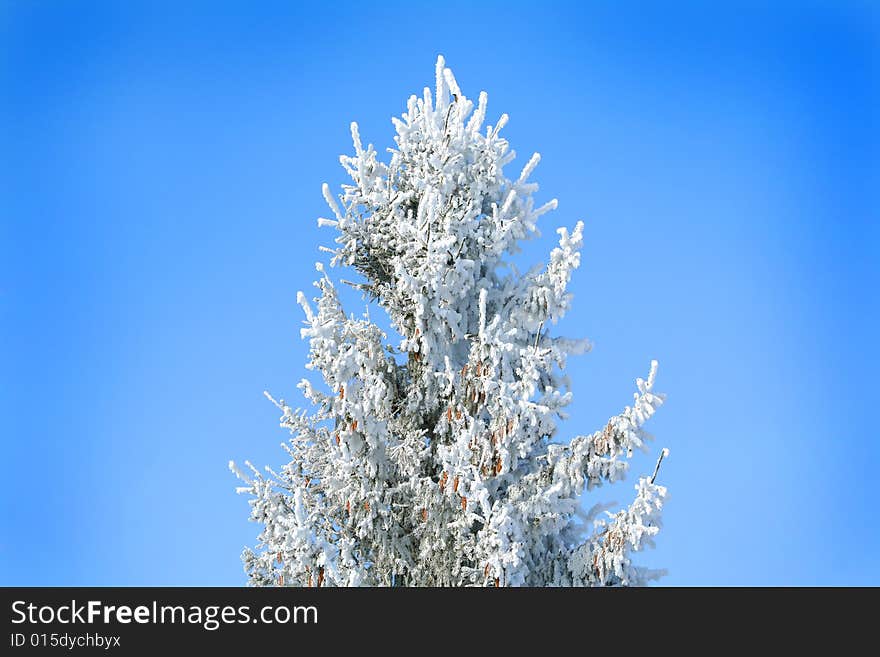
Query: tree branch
x=663, y=453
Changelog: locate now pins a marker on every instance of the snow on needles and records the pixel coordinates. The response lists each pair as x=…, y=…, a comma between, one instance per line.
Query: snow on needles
x=435, y=462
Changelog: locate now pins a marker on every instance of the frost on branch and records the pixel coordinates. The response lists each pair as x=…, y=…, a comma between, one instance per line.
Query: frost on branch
x=437, y=461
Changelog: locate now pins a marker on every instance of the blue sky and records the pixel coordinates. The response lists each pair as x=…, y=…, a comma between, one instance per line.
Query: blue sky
x=160, y=180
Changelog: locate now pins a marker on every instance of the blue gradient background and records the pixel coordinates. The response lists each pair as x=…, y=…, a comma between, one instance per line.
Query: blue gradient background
x=161, y=172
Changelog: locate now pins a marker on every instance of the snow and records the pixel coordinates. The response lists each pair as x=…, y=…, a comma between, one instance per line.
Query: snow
x=445, y=469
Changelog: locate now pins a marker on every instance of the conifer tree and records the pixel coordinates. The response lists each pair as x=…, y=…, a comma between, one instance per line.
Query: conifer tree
x=439, y=461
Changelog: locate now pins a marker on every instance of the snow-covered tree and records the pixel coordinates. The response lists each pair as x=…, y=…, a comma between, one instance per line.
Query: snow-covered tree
x=436, y=462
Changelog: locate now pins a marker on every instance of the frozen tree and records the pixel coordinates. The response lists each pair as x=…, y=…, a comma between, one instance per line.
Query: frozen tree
x=435, y=461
